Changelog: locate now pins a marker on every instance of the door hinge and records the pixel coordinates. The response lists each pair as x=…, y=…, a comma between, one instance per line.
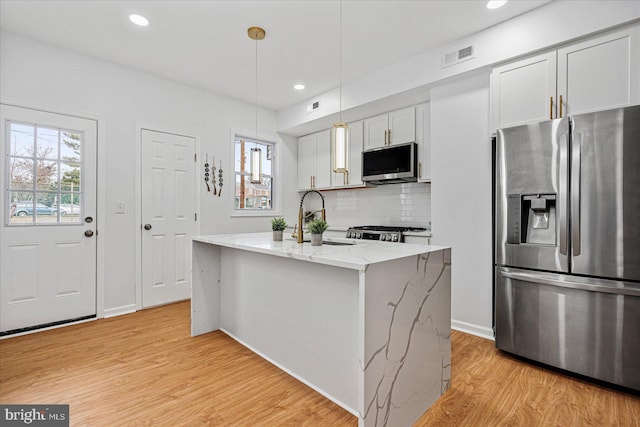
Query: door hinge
x=195, y=157
x=195, y=216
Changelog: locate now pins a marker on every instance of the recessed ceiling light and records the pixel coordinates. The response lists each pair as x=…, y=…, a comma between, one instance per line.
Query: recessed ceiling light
x=494, y=4
x=298, y=86
x=139, y=20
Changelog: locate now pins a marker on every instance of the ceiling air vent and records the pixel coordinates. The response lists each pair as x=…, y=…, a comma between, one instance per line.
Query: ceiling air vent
x=314, y=106
x=458, y=56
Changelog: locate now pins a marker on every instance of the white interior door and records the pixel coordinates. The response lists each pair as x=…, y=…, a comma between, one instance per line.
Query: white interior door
x=168, y=216
x=48, y=235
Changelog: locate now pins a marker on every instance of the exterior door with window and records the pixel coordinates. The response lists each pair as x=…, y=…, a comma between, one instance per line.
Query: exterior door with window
x=168, y=216
x=48, y=248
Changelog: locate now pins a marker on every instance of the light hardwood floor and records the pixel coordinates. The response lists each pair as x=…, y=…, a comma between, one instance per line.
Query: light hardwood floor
x=145, y=369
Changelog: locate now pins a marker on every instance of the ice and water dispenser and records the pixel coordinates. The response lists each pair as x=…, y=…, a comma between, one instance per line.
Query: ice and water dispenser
x=531, y=219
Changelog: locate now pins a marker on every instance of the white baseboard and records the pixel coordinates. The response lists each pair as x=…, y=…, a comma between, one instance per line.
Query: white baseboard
x=119, y=311
x=470, y=328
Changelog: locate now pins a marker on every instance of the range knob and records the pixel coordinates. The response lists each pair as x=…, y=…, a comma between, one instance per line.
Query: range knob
x=395, y=237
x=384, y=237
x=359, y=235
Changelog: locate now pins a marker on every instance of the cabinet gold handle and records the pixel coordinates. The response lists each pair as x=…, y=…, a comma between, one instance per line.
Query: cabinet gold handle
x=419, y=169
x=551, y=108
x=385, y=137
x=389, y=136
x=560, y=102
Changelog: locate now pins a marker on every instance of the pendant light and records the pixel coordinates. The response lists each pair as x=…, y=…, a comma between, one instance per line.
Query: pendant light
x=340, y=130
x=256, y=33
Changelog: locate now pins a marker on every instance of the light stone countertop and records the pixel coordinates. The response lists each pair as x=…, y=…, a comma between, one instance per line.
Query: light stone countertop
x=356, y=256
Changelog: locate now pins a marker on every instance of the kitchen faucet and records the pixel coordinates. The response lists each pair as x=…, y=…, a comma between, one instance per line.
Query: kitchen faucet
x=301, y=214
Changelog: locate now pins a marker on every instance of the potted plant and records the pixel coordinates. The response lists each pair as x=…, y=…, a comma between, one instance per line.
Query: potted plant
x=278, y=225
x=316, y=228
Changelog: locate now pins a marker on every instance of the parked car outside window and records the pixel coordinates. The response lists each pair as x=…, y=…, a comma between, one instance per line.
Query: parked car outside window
x=26, y=208
x=68, y=209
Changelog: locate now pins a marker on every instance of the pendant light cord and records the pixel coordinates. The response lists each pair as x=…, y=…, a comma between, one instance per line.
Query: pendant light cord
x=256, y=93
x=340, y=60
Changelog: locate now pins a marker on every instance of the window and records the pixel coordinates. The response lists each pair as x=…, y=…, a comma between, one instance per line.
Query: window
x=44, y=168
x=253, y=196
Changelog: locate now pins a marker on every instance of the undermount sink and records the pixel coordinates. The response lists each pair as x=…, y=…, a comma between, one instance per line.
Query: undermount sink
x=329, y=242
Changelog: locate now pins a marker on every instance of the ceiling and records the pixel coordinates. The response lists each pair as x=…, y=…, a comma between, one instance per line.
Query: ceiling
x=205, y=44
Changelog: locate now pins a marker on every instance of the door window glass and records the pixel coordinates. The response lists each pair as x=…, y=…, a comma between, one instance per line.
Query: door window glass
x=45, y=175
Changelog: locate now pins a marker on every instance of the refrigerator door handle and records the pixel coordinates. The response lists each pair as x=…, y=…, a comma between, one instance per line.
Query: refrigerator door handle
x=575, y=193
x=562, y=208
x=594, y=287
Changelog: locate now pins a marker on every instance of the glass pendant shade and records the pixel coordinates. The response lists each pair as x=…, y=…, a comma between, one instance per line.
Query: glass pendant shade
x=256, y=165
x=340, y=149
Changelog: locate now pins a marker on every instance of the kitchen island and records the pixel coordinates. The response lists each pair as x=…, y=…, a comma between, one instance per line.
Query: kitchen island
x=366, y=324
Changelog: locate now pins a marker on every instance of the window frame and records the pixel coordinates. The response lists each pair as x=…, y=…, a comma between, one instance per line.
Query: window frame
x=34, y=191
x=276, y=184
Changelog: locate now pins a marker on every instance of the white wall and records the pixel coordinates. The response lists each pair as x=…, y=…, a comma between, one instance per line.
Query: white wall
x=461, y=196
x=542, y=28
x=44, y=75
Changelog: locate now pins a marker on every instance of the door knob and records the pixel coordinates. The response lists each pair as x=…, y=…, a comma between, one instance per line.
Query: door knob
x=147, y=226
x=88, y=233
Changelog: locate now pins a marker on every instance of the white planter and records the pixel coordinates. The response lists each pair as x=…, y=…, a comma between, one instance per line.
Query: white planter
x=277, y=236
x=316, y=240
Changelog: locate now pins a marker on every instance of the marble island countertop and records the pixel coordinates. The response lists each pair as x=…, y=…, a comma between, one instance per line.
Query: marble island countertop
x=366, y=324
x=357, y=255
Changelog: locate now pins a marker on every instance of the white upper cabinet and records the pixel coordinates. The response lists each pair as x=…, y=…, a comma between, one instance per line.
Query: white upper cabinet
x=600, y=73
x=323, y=160
x=596, y=74
x=354, y=177
x=314, y=161
x=306, y=161
x=393, y=128
x=375, y=131
x=423, y=140
x=402, y=126
x=523, y=91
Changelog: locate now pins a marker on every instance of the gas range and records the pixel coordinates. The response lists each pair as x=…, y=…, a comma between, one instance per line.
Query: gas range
x=380, y=232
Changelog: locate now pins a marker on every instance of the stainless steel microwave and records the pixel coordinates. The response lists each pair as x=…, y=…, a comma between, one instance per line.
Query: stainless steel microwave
x=390, y=165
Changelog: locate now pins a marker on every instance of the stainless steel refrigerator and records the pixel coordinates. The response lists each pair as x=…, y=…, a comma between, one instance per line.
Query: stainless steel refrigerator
x=567, y=244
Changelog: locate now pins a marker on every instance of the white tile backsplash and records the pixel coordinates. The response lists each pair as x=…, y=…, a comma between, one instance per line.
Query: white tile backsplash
x=395, y=204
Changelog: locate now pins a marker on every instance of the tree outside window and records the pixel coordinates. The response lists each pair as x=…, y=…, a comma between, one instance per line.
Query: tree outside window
x=44, y=167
